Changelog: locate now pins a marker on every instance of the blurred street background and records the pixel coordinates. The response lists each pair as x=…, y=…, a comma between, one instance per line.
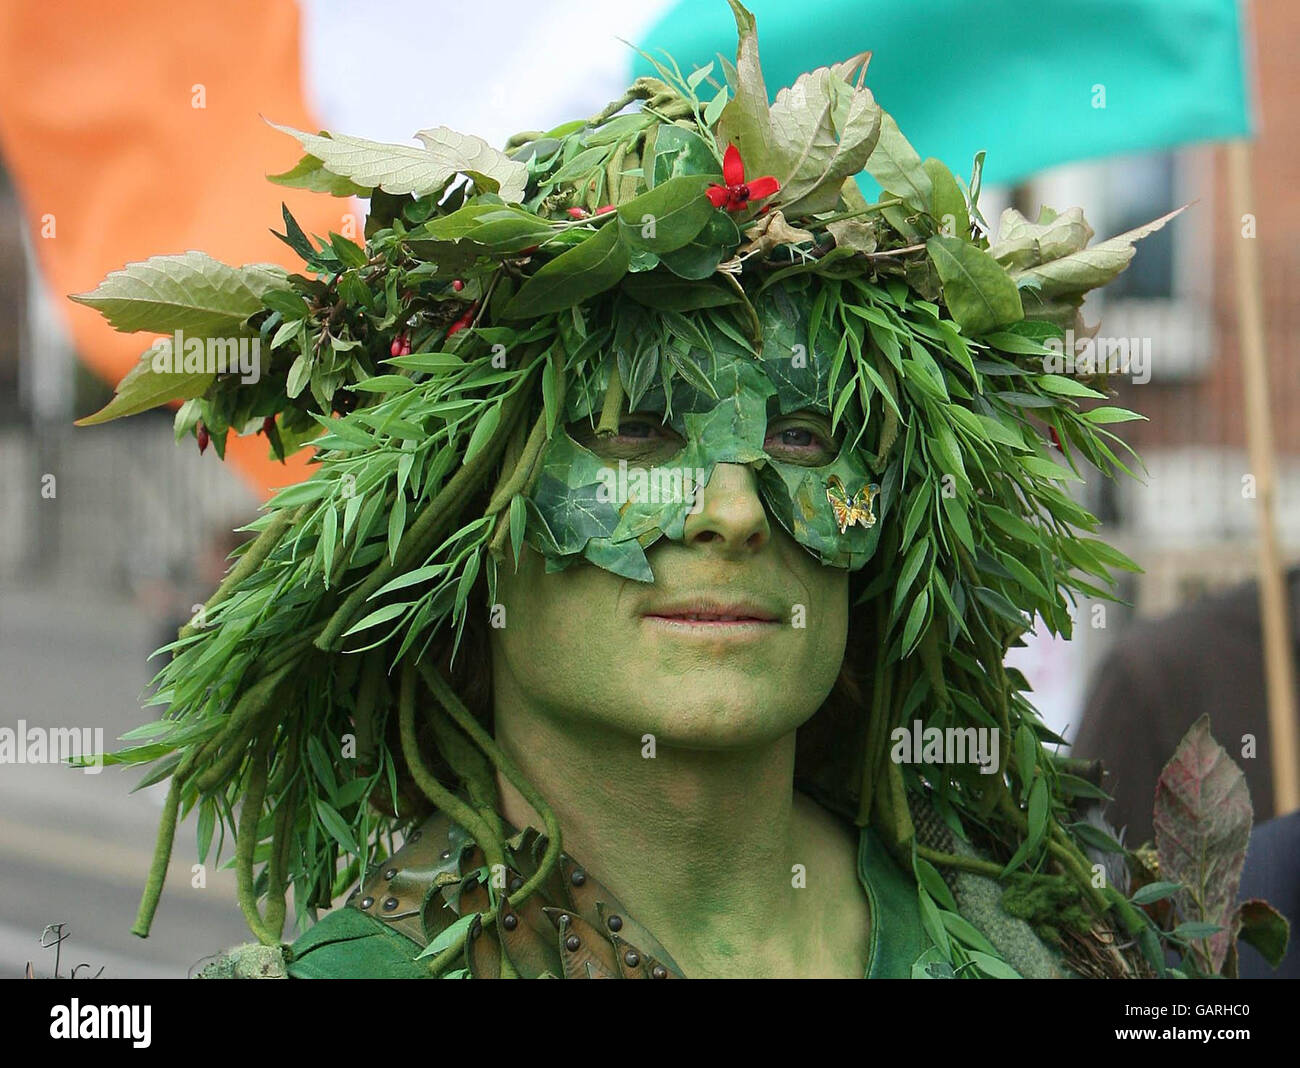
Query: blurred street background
x=97, y=573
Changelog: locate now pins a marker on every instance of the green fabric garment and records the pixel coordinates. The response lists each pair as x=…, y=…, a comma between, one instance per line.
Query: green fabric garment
x=897, y=937
x=348, y=944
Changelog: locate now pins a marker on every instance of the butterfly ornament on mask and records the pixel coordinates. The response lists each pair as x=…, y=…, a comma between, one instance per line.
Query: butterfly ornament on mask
x=851, y=509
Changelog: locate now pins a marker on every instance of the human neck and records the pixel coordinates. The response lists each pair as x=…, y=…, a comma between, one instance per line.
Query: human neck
x=698, y=845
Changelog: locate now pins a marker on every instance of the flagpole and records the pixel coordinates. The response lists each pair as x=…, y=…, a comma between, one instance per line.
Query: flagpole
x=1279, y=663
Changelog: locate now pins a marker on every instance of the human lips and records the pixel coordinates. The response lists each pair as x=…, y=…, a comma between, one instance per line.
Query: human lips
x=712, y=613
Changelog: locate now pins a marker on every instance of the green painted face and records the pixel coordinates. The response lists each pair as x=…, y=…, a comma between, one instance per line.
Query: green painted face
x=584, y=650
x=608, y=498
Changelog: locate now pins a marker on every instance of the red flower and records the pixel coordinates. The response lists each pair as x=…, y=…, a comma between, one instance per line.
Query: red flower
x=737, y=193
x=202, y=435
x=577, y=213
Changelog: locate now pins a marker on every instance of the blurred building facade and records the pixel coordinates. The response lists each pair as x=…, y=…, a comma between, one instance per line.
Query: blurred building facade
x=1191, y=523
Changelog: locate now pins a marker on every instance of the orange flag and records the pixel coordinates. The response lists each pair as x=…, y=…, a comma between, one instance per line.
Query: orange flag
x=136, y=129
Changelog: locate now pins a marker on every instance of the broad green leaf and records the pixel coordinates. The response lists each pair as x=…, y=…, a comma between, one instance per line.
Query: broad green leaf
x=288, y=303
x=947, y=202
x=299, y=375
x=668, y=216
x=400, y=169
x=894, y=163
x=144, y=388
x=699, y=258
x=1088, y=268
x=978, y=292
x=823, y=131
x=572, y=277
x=746, y=120
x=1263, y=927
x=498, y=229
x=1022, y=244
x=310, y=173
x=190, y=292
x=679, y=151
x=667, y=292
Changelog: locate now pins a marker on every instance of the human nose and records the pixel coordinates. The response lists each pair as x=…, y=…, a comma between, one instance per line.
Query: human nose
x=731, y=516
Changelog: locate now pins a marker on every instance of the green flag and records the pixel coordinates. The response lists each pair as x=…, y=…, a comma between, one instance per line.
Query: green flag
x=1035, y=84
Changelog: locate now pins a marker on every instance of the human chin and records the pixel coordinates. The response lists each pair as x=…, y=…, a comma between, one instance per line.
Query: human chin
x=741, y=653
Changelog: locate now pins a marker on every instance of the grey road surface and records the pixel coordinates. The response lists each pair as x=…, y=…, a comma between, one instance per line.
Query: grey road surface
x=75, y=847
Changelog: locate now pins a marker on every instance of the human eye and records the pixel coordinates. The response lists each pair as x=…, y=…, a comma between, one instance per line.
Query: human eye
x=641, y=436
x=801, y=438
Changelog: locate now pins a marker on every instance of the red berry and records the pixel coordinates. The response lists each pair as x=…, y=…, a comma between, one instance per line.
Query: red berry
x=463, y=321
x=457, y=284
x=202, y=435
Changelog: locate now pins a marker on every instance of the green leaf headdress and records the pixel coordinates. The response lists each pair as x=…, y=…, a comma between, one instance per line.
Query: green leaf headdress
x=706, y=256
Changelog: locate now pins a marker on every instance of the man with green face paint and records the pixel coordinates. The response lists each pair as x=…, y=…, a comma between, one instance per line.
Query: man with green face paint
x=666, y=489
